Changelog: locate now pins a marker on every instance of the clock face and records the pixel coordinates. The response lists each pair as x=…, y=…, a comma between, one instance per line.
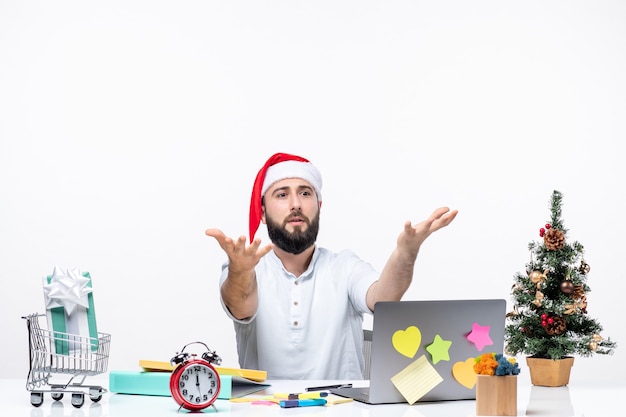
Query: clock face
x=195, y=385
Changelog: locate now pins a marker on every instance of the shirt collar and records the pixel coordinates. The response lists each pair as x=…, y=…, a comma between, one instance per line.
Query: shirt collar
x=309, y=271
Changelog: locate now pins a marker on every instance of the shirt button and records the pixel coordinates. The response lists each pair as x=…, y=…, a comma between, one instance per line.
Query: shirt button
x=295, y=323
x=296, y=282
x=295, y=303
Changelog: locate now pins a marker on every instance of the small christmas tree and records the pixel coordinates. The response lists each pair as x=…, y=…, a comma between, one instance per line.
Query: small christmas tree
x=550, y=317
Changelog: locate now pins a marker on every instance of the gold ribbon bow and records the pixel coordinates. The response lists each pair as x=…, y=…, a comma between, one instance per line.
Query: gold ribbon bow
x=576, y=306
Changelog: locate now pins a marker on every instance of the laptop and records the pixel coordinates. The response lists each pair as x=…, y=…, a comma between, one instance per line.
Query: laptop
x=434, y=342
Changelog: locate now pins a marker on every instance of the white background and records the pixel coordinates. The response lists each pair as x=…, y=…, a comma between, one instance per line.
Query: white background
x=129, y=127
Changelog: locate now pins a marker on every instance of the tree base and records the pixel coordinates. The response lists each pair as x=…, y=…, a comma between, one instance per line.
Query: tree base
x=548, y=372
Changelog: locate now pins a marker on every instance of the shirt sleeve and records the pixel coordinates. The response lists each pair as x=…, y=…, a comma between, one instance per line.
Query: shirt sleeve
x=361, y=275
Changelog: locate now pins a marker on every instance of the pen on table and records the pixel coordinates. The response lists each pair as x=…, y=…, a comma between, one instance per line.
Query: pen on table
x=327, y=387
x=302, y=395
x=302, y=403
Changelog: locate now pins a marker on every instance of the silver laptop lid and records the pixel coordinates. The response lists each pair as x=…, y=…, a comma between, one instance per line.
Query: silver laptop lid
x=455, y=331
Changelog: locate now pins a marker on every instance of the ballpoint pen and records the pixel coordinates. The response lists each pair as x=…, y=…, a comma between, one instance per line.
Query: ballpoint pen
x=327, y=387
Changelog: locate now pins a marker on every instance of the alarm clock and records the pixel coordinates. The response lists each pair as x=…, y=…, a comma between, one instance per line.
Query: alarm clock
x=194, y=383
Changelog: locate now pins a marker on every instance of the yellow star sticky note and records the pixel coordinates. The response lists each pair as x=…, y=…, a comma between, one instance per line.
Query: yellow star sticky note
x=438, y=349
x=416, y=380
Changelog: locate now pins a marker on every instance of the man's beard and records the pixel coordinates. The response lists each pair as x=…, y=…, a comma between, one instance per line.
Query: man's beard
x=297, y=241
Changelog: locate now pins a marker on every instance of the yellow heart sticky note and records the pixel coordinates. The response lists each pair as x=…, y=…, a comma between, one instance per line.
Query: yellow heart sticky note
x=407, y=341
x=464, y=373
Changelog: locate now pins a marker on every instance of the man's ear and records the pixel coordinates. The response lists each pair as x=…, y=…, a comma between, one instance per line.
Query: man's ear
x=263, y=215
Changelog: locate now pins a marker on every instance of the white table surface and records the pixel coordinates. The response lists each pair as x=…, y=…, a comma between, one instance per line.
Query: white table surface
x=587, y=401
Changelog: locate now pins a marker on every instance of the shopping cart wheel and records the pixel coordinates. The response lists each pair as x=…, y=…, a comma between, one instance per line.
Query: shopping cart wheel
x=36, y=398
x=57, y=396
x=95, y=394
x=78, y=399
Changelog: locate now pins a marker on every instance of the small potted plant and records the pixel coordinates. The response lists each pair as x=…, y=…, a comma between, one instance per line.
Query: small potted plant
x=496, y=385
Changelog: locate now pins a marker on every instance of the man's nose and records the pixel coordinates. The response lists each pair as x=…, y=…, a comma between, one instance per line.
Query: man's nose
x=296, y=204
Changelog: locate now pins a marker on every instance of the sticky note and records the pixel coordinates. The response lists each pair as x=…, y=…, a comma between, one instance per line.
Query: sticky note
x=464, y=373
x=333, y=399
x=406, y=342
x=480, y=336
x=438, y=349
x=416, y=380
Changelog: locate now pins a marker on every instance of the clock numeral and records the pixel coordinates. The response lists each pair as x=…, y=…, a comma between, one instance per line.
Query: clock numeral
x=205, y=397
x=181, y=384
x=185, y=392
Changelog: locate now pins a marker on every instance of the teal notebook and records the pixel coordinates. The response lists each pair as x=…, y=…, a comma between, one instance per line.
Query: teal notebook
x=158, y=383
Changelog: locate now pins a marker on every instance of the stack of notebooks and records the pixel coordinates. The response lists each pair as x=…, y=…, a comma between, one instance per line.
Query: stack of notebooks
x=154, y=379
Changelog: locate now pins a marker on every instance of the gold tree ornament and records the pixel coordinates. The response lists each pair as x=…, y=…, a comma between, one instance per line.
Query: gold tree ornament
x=570, y=309
x=584, y=267
x=576, y=307
x=538, y=298
x=595, y=339
x=554, y=239
x=538, y=277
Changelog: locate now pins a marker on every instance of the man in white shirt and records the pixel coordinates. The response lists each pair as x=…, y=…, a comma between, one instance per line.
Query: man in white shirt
x=298, y=308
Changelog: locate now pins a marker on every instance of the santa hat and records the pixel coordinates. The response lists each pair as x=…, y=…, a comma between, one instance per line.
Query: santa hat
x=279, y=167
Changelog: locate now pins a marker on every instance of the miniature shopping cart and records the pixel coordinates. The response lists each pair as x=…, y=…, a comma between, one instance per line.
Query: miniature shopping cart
x=69, y=355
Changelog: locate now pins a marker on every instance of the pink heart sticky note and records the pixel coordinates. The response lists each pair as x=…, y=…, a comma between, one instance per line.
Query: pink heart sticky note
x=407, y=342
x=464, y=373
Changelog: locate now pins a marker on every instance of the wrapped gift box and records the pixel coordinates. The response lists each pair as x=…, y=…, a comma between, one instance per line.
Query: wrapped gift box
x=70, y=311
